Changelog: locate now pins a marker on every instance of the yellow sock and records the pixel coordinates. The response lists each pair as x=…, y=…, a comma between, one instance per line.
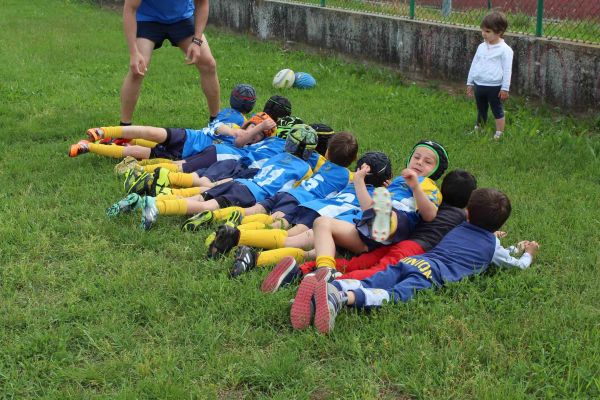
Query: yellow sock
x=181, y=179
x=152, y=161
x=325, y=261
x=187, y=192
x=271, y=257
x=172, y=207
x=167, y=197
x=113, y=132
x=265, y=238
x=143, y=142
x=171, y=167
x=223, y=213
x=264, y=218
x=107, y=150
x=251, y=226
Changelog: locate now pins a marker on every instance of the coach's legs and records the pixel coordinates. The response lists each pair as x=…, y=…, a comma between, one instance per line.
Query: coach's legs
x=130, y=91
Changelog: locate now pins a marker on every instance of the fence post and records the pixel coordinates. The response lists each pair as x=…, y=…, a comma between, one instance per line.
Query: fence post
x=489, y=4
x=322, y=3
x=540, y=18
x=446, y=8
x=411, y=12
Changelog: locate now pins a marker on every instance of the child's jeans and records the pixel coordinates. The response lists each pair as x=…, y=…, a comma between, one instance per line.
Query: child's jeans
x=485, y=95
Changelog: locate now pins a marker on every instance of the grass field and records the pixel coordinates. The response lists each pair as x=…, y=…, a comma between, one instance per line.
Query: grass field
x=96, y=308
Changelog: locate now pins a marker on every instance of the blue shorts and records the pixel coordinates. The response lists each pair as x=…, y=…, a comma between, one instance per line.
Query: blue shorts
x=485, y=95
x=305, y=216
x=158, y=32
x=284, y=202
x=227, y=169
x=363, y=226
x=204, y=159
x=231, y=194
x=172, y=147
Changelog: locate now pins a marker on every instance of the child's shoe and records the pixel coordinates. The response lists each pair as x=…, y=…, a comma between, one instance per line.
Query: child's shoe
x=302, y=310
x=285, y=273
x=328, y=303
x=227, y=238
x=380, y=230
x=126, y=164
x=94, y=134
x=138, y=182
x=498, y=135
x=194, y=223
x=78, y=148
x=129, y=203
x=149, y=212
x=234, y=219
x=160, y=182
x=245, y=260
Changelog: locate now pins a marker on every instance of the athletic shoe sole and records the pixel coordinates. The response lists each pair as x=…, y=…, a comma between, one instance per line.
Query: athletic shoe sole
x=273, y=281
x=383, y=211
x=323, y=319
x=123, y=206
x=300, y=313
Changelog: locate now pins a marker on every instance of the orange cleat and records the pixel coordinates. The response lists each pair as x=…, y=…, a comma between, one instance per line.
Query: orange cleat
x=79, y=148
x=94, y=134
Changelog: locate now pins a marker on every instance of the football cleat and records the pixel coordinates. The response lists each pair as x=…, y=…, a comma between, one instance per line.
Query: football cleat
x=137, y=182
x=126, y=164
x=245, y=260
x=380, y=230
x=149, y=212
x=129, y=203
x=94, y=134
x=78, y=148
x=194, y=223
x=227, y=238
x=234, y=219
x=160, y=182
x=285, y=273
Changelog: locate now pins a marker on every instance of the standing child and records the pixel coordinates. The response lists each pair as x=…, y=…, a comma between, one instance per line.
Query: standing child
x=489, y=76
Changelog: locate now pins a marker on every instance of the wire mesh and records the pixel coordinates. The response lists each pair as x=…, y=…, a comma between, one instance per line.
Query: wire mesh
x=575, y=20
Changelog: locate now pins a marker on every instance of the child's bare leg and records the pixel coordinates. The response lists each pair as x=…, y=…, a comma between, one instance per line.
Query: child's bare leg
x=298, y=229
x=195, y=206
x=158, y=135
x=255, y=209
x=329, y=232
x=304, y=240
x=139, y=152
x=500, y=123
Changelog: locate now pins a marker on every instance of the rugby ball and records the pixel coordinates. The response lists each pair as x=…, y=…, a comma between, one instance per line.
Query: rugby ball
x=284, y=79
x=304, y=80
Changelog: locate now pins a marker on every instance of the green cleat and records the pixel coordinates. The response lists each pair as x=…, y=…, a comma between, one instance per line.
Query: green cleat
x=137, y=182
x=128, y=163
x=149, y=212
x=194, y=223
x=126, y=205
x=160, y=182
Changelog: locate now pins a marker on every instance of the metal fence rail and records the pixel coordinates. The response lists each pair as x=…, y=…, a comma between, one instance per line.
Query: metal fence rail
x=574, y=20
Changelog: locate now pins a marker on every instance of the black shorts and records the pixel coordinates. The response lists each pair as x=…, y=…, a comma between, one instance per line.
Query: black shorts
x=304, y=216
x=172, y=147
x=231, y=194
x=204, y=159
x=227, y=169
x=158, y=32
x=284, y=202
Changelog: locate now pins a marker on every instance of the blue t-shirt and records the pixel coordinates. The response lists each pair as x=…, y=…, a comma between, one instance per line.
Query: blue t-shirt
x=165, y=11
x=343, y=206
x=259, y=153
x=330, y=180
x=280, y=172
x=199, y=139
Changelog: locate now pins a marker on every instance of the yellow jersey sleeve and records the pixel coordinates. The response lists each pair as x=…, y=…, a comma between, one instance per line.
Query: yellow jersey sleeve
x=431, y=191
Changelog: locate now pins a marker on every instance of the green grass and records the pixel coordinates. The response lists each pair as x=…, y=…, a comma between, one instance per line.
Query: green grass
x=566, y=29
x=96, y=308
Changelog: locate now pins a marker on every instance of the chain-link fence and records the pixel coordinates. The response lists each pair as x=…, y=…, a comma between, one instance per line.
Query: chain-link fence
x=575, y=20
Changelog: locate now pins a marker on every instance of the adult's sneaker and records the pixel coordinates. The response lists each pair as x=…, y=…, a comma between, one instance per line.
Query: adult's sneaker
x=285, y=273
x=328, y=303
x=137, y=181
x=245, y=260
x=227, y=238
x=124, y=205
x=382, y=206
x=149, y=212
x=78, y=148
x=197, y=221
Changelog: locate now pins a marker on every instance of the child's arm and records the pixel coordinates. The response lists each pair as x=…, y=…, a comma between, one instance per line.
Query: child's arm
x=426, y=208
x=470, y=78
x=364, y=198
x=503, y=257
x=250, y=131
x=507, y=60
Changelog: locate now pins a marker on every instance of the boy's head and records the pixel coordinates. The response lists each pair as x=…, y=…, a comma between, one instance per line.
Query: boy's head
x=325, y=133
x=381, y=167
x=301, y=141
x=496, y=22
x=278, y=107
x=243, y=98
x=285, y=124
x=488, y=209
x=457, y=187
x=429, y=159
x=342, y=149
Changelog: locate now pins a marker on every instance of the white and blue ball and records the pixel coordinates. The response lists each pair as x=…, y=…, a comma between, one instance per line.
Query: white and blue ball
x=304, y=80
x=284, y=79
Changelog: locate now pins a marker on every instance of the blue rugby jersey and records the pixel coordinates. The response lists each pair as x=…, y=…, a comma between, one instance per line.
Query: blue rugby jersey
x=280, y=172
x=165, y=11
x=344, y=206
x=260, y=152
x=327, y=182
x=199, y=139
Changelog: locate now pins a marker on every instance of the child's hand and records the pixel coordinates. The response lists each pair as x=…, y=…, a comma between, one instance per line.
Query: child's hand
x=361, y=173
x=387, y=183
x=503, y=95
x=531, y=248
x=500, y=234
x=469, y=90
x=267, y=125
x=411, y=178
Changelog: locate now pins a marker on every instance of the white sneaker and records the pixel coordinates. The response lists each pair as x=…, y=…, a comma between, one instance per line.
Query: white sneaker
x=497, y=135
